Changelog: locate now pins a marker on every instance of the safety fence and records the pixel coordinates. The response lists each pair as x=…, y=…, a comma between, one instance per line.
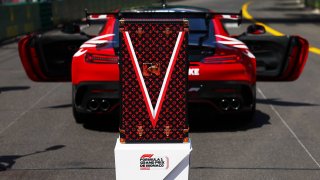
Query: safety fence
x=17, y=19
x=312, y=3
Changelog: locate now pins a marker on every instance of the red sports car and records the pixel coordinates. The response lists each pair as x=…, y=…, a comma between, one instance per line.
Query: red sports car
x=223, y=70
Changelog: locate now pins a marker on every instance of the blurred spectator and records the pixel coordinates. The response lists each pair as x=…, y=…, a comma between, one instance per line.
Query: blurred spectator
x=11, y=1
x=19, y=1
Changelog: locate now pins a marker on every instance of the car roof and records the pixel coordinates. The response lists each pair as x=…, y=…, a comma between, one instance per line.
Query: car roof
x=166, y=9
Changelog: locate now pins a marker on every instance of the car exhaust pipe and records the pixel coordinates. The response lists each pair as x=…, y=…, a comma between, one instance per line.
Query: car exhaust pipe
x=105, y=105
x=224, y=104
x=93, y=105
x=235, y=104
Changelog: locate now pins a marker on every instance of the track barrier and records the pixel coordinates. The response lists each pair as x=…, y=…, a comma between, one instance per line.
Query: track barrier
x=23, y=18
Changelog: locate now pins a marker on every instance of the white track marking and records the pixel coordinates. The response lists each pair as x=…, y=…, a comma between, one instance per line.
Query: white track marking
x=288, y=127
x=28, y=109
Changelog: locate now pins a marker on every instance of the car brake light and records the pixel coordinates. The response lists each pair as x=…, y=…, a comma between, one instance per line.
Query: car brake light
x=221, y=59
x=97, y=58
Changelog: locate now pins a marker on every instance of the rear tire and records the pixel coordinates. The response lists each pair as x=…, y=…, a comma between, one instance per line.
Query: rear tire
x=78, y=116
x=249, y=116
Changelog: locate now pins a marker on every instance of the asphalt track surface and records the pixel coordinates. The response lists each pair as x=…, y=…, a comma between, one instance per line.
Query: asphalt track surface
x=40, y=140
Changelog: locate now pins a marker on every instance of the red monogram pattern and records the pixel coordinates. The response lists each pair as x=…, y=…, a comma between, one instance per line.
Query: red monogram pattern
x=154, y=46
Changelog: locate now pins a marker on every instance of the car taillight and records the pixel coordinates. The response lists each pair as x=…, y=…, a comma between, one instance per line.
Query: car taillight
x=97, y=58
x=221, y=59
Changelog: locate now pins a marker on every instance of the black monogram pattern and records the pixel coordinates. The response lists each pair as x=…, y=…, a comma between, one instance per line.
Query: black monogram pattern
x=153, y=45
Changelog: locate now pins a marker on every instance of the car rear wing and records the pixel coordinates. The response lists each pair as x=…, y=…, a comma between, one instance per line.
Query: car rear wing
x=164, y=14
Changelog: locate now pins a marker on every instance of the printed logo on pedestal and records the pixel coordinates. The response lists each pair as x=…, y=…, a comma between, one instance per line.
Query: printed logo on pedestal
x=151, y=162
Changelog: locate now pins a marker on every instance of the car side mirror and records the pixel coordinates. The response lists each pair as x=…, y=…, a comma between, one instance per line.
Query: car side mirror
x=256, y=29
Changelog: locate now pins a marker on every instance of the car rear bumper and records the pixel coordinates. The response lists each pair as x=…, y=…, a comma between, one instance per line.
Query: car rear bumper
x=223, y=96
x=86, y=93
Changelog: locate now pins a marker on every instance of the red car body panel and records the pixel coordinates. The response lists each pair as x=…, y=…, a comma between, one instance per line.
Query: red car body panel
x=242, y=70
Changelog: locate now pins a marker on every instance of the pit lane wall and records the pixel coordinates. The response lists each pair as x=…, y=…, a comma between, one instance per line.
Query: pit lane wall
x=18, y=19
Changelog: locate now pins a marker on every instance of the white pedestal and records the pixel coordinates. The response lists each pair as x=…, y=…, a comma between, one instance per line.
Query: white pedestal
x=152, y=161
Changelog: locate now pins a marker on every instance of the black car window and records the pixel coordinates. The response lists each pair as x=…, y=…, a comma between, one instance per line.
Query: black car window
x=198, y=30
x=197, y=24
x=94, y=29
